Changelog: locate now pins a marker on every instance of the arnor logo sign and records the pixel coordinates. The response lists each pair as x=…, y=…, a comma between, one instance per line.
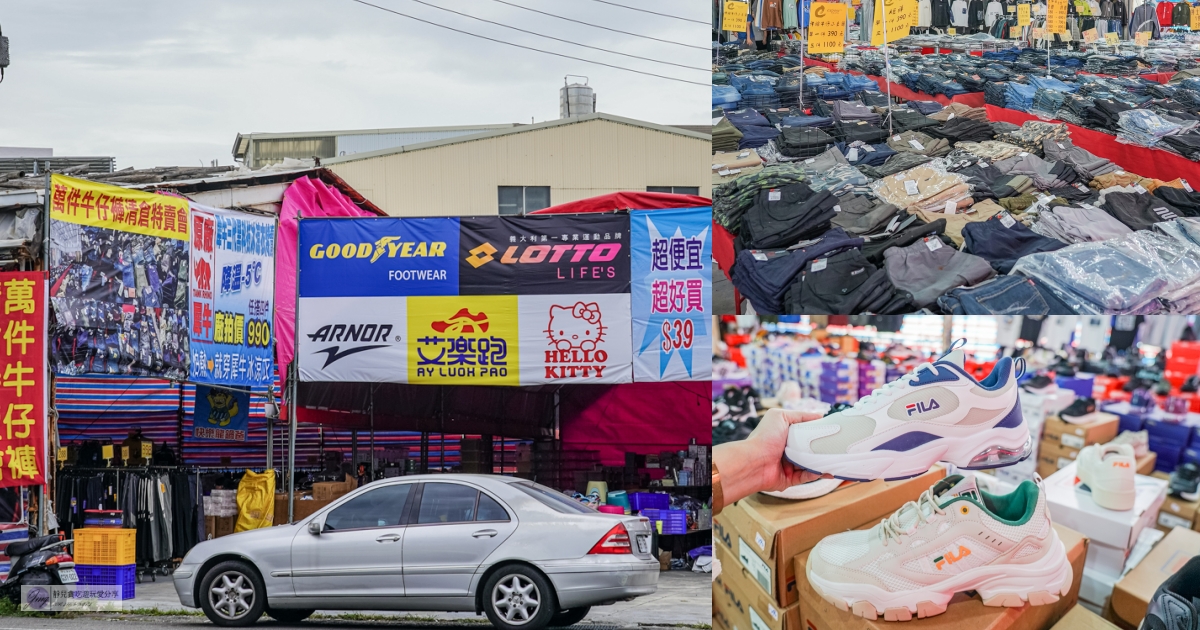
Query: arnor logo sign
x=386, y=247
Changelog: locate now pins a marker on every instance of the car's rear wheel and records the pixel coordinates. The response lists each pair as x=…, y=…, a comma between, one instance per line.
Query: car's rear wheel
x=232, y=594
x=289, y=615
x=569, y=617
x=518, y=598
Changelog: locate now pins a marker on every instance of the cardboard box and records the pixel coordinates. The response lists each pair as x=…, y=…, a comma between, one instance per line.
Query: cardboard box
x=1080, y=618
x=304, y=508
x=210, y=526
x=766, y=533
x=1096, y=588
x=224, y=526
x=1053, y=456
x=1132, y=594
x=964, y=611
x=1101, y=429
x=1146, y=463
x=1176, y=512
x=1074, y=508
x=747, y=606
x=330, y=490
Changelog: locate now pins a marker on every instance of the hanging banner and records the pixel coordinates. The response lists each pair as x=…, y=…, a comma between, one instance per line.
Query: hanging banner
x=519, y=300
x=232, y=293
x=550, y=254
x=23, y=394
x=734, y=16
x=901, y=16
x=118, y=280
x=672, y=298
x=221, y=414
x=827, y=27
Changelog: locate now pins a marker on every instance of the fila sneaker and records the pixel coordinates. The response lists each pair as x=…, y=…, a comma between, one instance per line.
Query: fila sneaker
x=954, y=538
x=1108, y=470
x=810, y=490
x=937, y=412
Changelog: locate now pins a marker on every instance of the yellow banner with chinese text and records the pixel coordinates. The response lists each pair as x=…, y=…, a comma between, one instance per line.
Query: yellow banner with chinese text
x=827, y=27
x=100, y=205
x=901, y=16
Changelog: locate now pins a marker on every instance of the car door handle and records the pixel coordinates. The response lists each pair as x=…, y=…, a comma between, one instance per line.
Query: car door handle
x=485, y=532
x=388, y=538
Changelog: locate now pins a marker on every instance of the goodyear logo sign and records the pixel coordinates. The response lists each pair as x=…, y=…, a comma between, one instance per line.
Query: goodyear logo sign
x=378, y=257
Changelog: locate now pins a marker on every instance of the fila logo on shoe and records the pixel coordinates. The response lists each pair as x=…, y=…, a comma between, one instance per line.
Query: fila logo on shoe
x=1120, y=464
x=951, y=557
x=920, y=407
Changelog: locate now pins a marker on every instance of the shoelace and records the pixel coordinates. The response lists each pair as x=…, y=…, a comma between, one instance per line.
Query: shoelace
x=899, y=383
x=891, y=527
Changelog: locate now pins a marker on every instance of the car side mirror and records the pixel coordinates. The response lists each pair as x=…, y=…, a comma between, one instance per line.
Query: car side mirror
x=314, y=527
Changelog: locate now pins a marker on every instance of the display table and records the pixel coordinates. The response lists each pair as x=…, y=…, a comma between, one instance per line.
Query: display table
x=1154, y=163
x=972, y=99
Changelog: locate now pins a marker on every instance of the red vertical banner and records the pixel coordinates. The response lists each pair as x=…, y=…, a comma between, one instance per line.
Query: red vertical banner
x=23, y=396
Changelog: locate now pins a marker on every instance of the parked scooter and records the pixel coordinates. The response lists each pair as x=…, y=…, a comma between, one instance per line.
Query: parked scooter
x=38, y=561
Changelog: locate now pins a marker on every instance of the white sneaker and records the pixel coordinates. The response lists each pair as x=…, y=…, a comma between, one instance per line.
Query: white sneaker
x=810, y=490
x=1139, y=440
x=954, y=538
x=1108, y=470
x=935, y=413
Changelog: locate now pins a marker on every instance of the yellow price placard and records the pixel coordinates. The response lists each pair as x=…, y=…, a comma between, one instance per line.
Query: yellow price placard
x=1039, y=33
x=826, y=27
x=901, y=16
x=62, y=453
x=1022, y=15
x=106, y=451
x=147, y=449
x=125, y=453
x=1112, y=39
x=1194, y=23
x=733, y=17
x=1091, y=35
x=1056, y=16
x=1142, y=38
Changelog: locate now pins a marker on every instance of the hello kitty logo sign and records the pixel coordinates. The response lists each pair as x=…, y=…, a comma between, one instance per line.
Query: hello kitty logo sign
x=576, y=327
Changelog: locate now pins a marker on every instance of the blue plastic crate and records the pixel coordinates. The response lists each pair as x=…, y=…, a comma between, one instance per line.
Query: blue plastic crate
x=673, y=521
x=639, y=501
x=124, y=576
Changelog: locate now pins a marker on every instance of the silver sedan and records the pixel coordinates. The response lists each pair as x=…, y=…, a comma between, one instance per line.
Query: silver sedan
x=521, y=553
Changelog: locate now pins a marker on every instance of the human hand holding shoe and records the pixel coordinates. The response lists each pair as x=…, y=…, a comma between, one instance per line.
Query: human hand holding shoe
x=756, y=463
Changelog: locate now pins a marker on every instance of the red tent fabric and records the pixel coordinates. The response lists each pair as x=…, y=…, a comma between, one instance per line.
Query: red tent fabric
x=627, y=200
x=643, y=418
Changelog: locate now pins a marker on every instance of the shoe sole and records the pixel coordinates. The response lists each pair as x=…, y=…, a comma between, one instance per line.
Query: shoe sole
x=1007, y=585
x=992, y=449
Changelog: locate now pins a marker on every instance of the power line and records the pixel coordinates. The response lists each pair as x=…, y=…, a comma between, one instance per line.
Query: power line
x=566, y=41
x=674, y=17
x=614, y=30
x=515, y=45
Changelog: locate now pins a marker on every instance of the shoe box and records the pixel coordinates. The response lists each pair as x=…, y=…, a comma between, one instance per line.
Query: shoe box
x=764, y=533
x=965, y=611
x=1037, y=408
x=1175, y=512
x=1080, y=618
x=1080, y=385
x=1131, y=595
x=742, y=602
x=1112, y=532
x=1062, y=441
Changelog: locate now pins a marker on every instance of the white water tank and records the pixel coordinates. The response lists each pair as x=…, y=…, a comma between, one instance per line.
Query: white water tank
x=576, y=99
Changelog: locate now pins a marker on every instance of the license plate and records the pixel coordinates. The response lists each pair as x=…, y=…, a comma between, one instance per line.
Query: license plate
x=643, y=544
x=68, y=576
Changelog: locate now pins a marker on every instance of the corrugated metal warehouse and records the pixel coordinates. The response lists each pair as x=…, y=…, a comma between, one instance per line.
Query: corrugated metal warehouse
x=525, y=168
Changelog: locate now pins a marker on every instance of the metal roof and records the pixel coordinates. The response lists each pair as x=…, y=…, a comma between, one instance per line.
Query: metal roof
x=242, y=143
x=519, y=129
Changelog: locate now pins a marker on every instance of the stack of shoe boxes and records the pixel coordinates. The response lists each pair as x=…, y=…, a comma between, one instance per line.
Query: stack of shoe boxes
x=838, y=381
x=1168, y=440
x=1062, y=440
x=1132, y=594
x=758, y=538
x=1176, y=512
x=1112, y=533
x=871, y=376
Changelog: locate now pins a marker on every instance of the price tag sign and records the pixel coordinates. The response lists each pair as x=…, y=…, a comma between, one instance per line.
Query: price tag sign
x=125, y=453
x=1022, y=15
x=1006, y=220
x=1039, y=33
x=933, y=243
x=901, y=16
x=733, y=18
x=106, y=451
x=1091, y=35
x=951, y=206
x=826, y=27
x=1112, y=38
x=910, y=187
x=147, y=450
x=1142, y=38
x=1194, y=23
x=1056, y=16
x=62, y=454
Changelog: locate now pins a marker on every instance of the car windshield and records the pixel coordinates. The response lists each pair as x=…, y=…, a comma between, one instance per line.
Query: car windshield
x=551, y=499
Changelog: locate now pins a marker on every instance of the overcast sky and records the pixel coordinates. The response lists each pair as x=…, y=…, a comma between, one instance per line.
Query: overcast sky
x=171, y=83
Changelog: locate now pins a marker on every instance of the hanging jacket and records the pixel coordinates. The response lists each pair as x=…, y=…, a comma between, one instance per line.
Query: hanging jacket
x=924, y=13
x=1181, y=15
x=975, y=11
x=1143, y=18
x=939, y=13
x=1164, y=11
x=995, y=10
x=958, y=14
x=1121, y=14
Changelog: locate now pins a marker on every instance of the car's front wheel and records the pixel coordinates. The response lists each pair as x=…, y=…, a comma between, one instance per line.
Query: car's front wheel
x=232, y=594
x=569, y=617
x=518, y=598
